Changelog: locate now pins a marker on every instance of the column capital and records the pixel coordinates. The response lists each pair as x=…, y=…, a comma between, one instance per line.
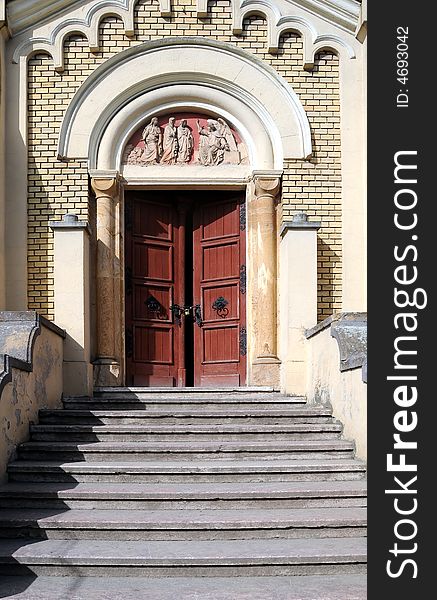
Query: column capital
x=104, y=186
x=267, y=185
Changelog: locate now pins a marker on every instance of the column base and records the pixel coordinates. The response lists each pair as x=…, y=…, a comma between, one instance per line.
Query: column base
x=266, y=371
x=106, y=372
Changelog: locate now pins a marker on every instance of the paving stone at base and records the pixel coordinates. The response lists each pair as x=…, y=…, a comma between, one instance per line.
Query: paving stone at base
x=334, y=587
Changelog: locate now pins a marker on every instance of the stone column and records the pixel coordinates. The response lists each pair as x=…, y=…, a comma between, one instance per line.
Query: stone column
x=263, y=249
x=106, y=365
x=298, y=299
x=72, y=301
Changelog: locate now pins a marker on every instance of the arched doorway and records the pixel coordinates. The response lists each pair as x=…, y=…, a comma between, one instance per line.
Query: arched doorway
x=185, y=257
x=185, y=298
x=209, y=81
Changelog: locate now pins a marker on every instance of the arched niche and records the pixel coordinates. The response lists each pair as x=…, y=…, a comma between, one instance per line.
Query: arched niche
x=184, y=74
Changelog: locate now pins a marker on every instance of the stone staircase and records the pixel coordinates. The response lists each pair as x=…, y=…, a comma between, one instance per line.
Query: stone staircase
x=209, y=494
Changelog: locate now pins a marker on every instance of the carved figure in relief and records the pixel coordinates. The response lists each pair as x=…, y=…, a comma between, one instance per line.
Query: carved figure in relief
x=152, y=137
x=212, y=144
x=176, y=145
x=185, y=141
x=226, y=132
x=170, y=143
x=134, y=156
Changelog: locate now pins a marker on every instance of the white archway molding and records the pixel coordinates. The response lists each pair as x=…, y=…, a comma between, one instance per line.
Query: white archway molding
x=184, y=73
x=264, y=146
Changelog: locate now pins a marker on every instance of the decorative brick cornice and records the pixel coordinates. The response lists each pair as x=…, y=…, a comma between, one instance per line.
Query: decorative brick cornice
x=342, y=17
x=343, y=13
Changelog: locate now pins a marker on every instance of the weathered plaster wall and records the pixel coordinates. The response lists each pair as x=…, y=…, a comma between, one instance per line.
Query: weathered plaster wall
x=28, y=392
x=344, y=391
x=55, y=188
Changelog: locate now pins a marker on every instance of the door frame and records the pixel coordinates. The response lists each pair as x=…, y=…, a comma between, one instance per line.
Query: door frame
x=175, y=189
x=262, y=193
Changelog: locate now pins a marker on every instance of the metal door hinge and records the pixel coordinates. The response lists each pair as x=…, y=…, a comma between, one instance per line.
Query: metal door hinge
x=243, y=341
x=242, y=216
x=243, y=279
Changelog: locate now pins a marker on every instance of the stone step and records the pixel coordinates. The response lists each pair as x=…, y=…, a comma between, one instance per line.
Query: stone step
x=207, y=524
x=255, y=557
x=234, y=415
x=190, y=450
x=177, y=391
x=199, y=397
x=173, y=432
x=216, y=471
x=192, y=393
x=177, y=397
x=311, y=587
x=188, y=495
x=143, y=401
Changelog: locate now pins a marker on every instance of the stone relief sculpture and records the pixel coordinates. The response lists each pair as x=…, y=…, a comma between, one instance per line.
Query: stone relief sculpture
x=227, y=134
x=134, y=155
x=212, y=144
x=216, y=144
x=152, y=137
x=170, y=143
x=186, y=142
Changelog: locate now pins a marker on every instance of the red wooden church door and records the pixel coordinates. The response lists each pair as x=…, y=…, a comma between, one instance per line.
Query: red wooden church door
x=185, y=289
x=151, y=278
x=220, y=289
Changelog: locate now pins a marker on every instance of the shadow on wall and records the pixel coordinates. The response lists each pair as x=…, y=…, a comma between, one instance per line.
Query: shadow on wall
x=31, y=349
x=328, y=280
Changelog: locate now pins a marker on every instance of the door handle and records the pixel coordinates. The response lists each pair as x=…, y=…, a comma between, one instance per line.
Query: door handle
x=177, y=312
x=197, y=312
x=186, y=311
x=153, y=304
x=220, y=306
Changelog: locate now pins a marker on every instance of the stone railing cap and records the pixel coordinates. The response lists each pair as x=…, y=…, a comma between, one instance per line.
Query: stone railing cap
x=70, y=221
x=300, y=221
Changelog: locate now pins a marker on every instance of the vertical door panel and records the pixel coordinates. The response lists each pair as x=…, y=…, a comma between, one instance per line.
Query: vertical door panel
x=219, y=259
x=151, y=285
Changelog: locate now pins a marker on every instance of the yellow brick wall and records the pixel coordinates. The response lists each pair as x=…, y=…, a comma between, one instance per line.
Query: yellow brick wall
x=55, y=188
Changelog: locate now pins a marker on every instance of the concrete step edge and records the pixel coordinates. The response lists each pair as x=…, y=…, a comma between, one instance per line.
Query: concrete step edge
x=234, y=552
x=195, y=467
x=205, y=519
x=309, y=587
x=206, y=428
x=313, y=489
